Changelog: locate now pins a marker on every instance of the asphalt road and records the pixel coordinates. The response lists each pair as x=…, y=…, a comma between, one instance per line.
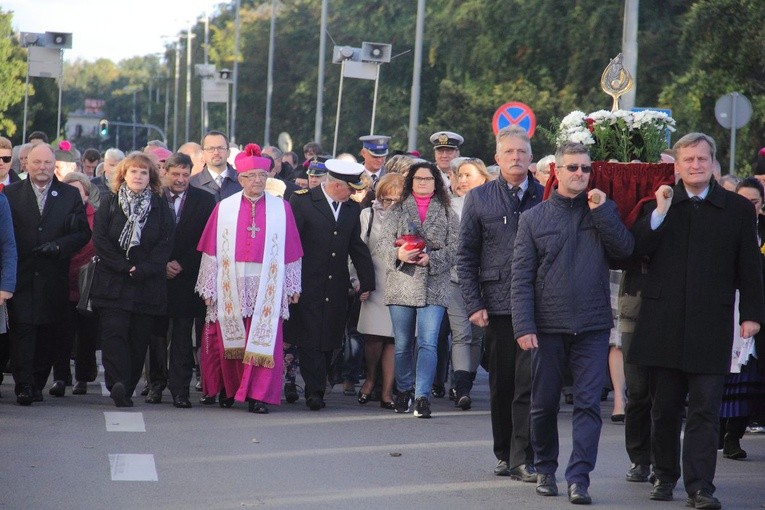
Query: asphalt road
x=80, y=452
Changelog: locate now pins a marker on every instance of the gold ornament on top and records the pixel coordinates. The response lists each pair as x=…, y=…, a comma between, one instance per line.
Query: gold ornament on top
x=616, y=80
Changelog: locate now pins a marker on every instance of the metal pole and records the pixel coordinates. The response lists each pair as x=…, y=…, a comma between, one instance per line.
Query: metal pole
x=232, y=131
x=374, y=101
x=320, y=80
x=732, y=162
x=134, y=121
x=205, y=114
x=167, y=101
x=175, y=94
x=630, y=49
x=414, y=108
x=188, y=83
x=60, y=88
x=270, y=78
x=26, y=103
x=339, y=100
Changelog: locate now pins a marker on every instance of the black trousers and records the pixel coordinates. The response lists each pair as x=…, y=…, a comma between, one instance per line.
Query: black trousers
x=5, y=352
x=124, y=339
x=443, y=352
x=79, y=331
x=510, y=392
x=637, y=413
x=32, y=353
x=314, y=365
x=178, y=372
x=669, y=388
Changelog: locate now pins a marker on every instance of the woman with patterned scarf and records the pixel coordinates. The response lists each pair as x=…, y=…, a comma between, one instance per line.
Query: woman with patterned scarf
x=132, y=235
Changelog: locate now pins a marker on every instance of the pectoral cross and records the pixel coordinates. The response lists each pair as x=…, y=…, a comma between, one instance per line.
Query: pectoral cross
x=253, y=229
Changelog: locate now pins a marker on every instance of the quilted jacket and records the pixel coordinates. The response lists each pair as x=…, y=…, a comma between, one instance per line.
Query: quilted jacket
x=560, y=266
x=487, y=234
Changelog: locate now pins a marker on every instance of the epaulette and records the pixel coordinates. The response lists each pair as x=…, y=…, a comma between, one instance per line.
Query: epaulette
x=301, y=191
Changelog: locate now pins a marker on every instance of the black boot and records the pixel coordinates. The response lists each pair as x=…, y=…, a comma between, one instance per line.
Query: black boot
x=732, y=448
x=463, y=383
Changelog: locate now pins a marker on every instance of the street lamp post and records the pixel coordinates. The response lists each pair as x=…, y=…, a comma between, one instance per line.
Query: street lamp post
x=189, y=36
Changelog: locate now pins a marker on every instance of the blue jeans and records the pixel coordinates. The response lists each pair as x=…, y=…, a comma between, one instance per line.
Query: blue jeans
x=428, y=322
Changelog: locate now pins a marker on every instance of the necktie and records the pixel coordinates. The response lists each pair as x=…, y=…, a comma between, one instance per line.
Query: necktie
x=334, y=206
x=219, y=180
x=176, y=207
x=696, y=201
x=41, y=199
x=2, y=186
x=374, y=179
x=514, y=199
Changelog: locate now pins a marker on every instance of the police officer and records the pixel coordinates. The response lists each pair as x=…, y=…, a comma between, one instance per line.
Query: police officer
x=374, y=149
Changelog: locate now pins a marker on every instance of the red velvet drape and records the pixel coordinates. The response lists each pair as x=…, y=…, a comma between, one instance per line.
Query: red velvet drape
x=627, y=184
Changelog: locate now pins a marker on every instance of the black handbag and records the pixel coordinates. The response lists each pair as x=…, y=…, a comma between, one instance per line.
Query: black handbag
x=85, y=281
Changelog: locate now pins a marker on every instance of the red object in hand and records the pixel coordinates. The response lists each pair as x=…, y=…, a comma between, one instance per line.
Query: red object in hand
x=410, y=242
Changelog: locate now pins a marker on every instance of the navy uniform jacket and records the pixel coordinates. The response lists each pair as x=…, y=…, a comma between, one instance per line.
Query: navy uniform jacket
x=318, y=320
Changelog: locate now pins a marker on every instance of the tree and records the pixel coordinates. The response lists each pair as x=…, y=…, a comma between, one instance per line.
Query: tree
x=12, y=72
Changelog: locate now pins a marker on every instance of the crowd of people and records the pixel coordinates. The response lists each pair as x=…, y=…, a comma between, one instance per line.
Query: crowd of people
x=249, y=267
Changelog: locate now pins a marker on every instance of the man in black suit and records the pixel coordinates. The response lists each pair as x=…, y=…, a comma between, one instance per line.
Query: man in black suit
x=217, y=177
x=50, y=225
x=329, y=230
x=702, y=244
x=192, y=208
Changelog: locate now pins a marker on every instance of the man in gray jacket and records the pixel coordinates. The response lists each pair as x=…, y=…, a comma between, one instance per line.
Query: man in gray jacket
x=561, y=306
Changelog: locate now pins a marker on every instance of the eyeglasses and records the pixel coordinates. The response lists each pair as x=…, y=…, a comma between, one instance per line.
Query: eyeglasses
x=6, y=159
x=573, y=168
x=215, y=149
x=389, y=201
x=424, y=179
x=260, y=175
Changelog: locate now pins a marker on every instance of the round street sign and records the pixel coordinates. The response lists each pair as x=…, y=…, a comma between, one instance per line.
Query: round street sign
x=514, y=114
x=733, y=110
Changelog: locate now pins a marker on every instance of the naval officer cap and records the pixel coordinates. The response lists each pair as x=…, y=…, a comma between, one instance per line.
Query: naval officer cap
x=446, y=139
x=347, y=171
x=376, y=144
x=317, y=166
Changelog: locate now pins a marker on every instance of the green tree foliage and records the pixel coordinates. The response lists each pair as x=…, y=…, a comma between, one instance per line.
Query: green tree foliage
x=12, y=76
x=722, y=42
x=477, y=55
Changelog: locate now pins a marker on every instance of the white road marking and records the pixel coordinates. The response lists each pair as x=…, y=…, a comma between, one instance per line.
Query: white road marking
x=124, y=422
x=132, y=467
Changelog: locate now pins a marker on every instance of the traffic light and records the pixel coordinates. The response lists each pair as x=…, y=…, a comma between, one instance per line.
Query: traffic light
x=103, y=129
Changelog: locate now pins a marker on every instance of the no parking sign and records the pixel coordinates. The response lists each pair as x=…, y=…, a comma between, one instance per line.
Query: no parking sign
x=514, y=114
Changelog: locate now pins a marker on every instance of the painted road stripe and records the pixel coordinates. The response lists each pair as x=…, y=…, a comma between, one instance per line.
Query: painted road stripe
x=124, y=422
x=132, y=467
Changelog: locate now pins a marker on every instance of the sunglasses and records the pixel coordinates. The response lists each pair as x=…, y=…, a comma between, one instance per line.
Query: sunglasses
x=573, y=168
x=6, y=159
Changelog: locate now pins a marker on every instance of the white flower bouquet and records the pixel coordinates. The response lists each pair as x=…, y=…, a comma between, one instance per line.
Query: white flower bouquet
x=622, y=135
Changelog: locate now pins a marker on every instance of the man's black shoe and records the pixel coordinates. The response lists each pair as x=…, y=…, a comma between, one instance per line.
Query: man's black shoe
x=153, y=398
x=315, y=402
x=181, y=402
x=662, y=491
x=291, y=393
x=25, y=396
x=524, y=473
x=80, y=388
x=703, y=499
x=58, y=389
x=208, y=400
x=578, y=495
x=638, y=473
x=547, y=485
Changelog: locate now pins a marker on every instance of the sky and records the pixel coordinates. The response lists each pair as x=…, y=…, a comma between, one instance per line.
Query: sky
x=113, y=29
